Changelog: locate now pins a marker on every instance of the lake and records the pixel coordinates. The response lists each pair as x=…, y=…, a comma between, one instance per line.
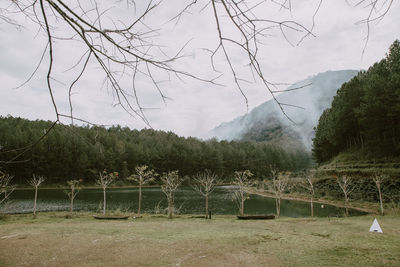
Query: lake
x=187, y=201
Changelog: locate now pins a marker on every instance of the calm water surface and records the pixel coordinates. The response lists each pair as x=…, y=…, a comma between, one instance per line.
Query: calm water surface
x=187, y=201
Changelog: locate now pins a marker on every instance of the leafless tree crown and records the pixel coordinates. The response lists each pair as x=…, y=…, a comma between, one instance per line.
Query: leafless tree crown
x=345, y=183
x=204, y=183
x=280, y=183
x=308, y=182
x=105, y=179
x=143, y=175
x=36, y=180
x=74, y=188
x=243, y=182
x=170, y=182
x=378, y=180
x=6, y=188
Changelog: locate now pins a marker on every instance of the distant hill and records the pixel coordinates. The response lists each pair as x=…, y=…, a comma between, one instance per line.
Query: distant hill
x=267, y=122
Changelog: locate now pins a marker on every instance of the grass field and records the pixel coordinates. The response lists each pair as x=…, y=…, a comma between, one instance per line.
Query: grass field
x=53, y=240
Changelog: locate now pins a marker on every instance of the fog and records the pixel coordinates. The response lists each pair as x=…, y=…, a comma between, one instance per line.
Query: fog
x=313, y=100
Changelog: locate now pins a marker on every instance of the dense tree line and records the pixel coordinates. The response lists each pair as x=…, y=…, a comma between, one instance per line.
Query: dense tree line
x=365, y=113
x=71, y=152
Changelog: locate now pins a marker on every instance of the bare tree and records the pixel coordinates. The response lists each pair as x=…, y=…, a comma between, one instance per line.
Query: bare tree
x=170, y=182
x=376, y=11
x=204, y=183
x=243, y=181
x=143, y=176
x=118, y=48
x=36, y=181
x=74, y=190
x=346, y=184
x=104, y=180
x=127, y=50
x=278, y=186
x=6, y=188
x=379, y=179
x=308, y=184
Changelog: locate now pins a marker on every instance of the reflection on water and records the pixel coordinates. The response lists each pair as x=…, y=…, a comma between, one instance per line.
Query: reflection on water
x=187, y=201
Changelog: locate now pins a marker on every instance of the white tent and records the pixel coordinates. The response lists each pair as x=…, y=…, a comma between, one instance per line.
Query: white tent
x=375, y=227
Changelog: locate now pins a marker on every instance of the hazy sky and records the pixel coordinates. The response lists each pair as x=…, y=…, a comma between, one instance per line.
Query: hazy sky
x=193, y=107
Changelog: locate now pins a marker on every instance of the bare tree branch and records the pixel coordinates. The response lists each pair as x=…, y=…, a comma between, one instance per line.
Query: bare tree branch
x=278, y=185
x=204, y=184
x=308, y=184
x=345, y=183
x=143, y=176
x=6, y=188
x=129, y=48
x=242, y=180
x=378, y=180
x=36, y=181
x=170, y=183
x=72, y=193
x=104, y=180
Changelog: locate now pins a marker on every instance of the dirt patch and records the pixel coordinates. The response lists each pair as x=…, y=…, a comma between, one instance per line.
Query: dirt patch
x=74, y=250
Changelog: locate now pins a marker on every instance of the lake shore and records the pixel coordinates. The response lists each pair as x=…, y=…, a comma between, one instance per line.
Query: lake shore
x=363, y=206
x=53, y=240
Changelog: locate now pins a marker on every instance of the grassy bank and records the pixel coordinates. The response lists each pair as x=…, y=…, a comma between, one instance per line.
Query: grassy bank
x=52, y=240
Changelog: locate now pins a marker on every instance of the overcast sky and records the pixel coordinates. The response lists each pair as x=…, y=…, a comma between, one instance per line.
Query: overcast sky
x=193, y=107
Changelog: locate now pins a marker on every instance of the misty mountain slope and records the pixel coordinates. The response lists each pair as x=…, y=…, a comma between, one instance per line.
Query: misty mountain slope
x=267, y=122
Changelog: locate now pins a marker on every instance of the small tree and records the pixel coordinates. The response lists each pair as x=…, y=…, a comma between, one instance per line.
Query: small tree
x=204, y=183
x=170, y=182
x=345, y=183
x=379, y=179
x=104, y=180
x=279, y=184
x=5, y=187
x=36, y=181
x=74, y=186
x=308, y=184
x=242, y=179
x=143, y=176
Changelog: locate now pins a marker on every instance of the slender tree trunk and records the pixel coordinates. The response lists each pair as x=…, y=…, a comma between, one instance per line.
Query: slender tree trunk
x=72, y=201
x=346, y=204
x=312, y=206
x=104, y=201
x=140, y=199
x=72, y=204
x=206, y=206
x=380, y=199
x=278, y=205
x=242, y=206
x=34, y=203
x=170, y=208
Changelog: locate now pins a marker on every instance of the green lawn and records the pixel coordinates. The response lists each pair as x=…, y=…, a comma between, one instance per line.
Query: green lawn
x=52, y=240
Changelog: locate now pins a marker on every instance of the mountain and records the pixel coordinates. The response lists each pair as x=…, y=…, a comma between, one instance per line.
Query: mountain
x=267, y=122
